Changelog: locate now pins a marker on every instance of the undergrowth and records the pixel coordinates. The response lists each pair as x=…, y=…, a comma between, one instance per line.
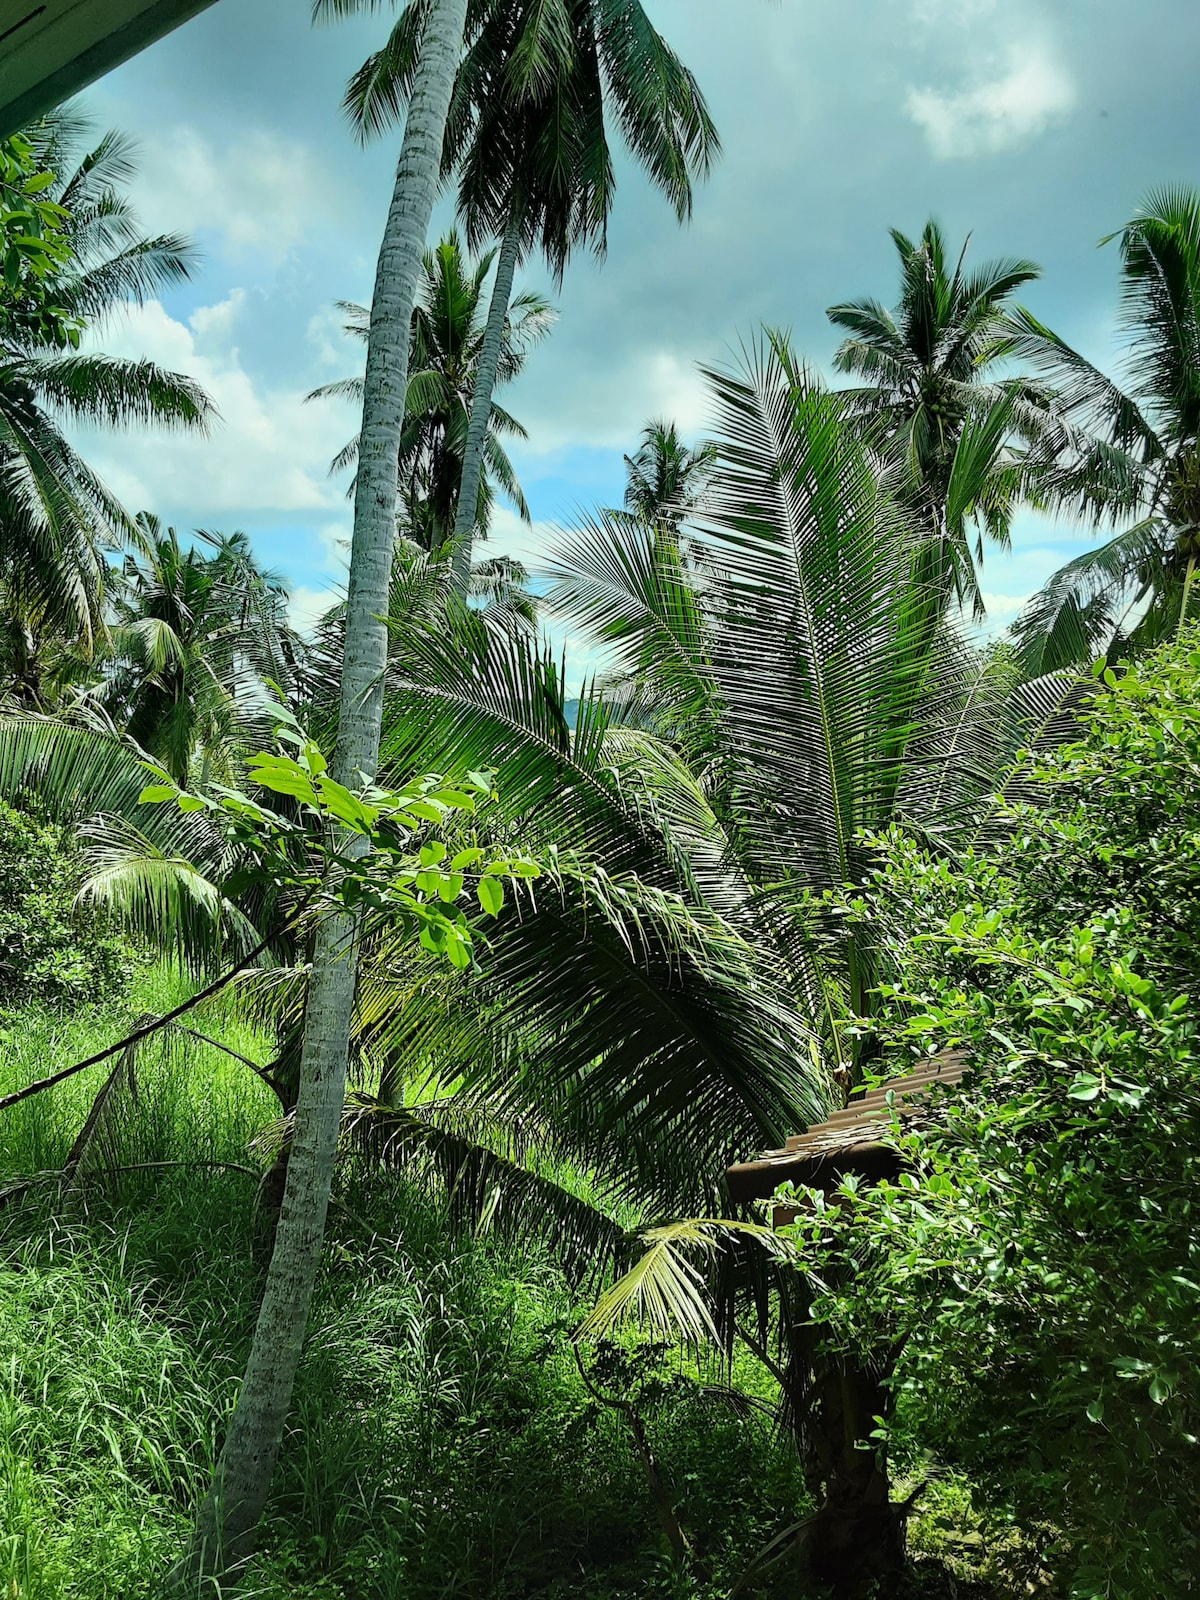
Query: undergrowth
x=442, y=1442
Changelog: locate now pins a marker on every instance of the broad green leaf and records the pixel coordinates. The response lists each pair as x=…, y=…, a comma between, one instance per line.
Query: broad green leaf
x=491, y=895
x=1087, y=1087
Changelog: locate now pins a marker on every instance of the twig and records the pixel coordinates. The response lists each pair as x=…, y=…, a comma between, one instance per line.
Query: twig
x=237, y=1055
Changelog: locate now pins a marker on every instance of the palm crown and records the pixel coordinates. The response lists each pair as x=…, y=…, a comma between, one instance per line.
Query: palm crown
x=528, y=136
x=447, y=337
x=933, y=382
x=528, y=122
x=1126, y=454
x=196, y=629
x=664, y=478
x=56, y=515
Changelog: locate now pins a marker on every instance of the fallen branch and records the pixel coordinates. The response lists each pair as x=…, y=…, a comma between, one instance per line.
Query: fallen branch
x=57, y=1175
x=150, y=1028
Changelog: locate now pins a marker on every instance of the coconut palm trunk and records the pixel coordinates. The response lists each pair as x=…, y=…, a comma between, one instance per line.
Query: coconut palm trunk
x=229, y=1516
x=481, y=401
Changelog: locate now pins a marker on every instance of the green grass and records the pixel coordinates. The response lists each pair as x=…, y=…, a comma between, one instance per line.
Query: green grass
x=441, y=1446
x=441, y=1443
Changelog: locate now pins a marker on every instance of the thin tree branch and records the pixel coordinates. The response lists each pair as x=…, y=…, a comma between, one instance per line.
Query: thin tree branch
x=681, y=1545
x=237, y=1055
x=145, y=1032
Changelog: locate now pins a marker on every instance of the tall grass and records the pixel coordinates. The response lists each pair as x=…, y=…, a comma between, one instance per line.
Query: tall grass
x=441, y=1444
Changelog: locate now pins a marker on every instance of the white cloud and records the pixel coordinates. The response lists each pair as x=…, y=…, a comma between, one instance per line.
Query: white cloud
x=1028, y=94
x=306, y=606
x=333, y=347
x=528, y=543
x=267, y=451
x=609, y=410
x=1002, y=608
x=261, y=193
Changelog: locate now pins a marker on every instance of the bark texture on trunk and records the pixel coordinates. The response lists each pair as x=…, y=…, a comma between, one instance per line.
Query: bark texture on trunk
x=228, y=1518
x=857, y=1542
x=481, y=401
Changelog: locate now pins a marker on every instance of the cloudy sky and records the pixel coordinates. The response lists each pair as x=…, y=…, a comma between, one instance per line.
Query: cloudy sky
x=1035, y=125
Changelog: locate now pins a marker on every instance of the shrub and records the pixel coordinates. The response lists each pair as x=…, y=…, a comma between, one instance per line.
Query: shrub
x=50, y=947
x=1039, y=1264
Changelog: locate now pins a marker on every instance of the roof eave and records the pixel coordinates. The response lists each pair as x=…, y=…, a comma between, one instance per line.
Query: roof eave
x=70, y=50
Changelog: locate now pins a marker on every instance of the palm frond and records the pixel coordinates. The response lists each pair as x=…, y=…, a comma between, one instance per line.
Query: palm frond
x=664, y=1292
x=1075, y=614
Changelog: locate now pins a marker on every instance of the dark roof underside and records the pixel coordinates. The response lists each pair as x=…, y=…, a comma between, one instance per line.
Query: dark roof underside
x=50, y=49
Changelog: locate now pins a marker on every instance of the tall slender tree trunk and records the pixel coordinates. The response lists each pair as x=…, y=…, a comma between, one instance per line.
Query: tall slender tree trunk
x=227, y=1520
x=481, y=401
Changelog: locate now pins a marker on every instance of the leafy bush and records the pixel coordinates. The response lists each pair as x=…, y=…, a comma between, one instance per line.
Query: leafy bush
x=1039, y=1264
x=50, y=947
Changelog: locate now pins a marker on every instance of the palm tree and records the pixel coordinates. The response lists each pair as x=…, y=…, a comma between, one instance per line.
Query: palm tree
x=529, y=135
x=680, y=984
x=676, y=978
x=194, y=638
x=1126, y=454
x=933, y=384
x=228, y=1518
x=443, y=363
x=56, y=516
x=665, y=480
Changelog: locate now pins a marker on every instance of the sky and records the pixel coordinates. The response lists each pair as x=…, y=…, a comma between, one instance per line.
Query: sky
x=1035, y=126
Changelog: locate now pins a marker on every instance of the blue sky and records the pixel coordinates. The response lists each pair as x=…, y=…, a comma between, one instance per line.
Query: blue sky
x=1035, y=125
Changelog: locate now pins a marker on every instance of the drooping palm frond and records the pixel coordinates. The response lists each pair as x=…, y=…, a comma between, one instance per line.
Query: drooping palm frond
x=624, y=581
x=155, y=868
x=1038, y=716
x=1075, y=615
x=1160, y=309
x=493, y=1176
x=665, y=1292
x=105, y=390
x=97, y=1129
x=1083, y=394
x=164, y=898
x=1124, y=454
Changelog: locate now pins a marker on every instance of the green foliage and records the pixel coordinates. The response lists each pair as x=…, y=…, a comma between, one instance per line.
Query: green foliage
x=1039, y=1261
x=34, y=243
x=50, y=947
x=196, y=631
x=57, y=517
x=378, y=857
x=444, y=1442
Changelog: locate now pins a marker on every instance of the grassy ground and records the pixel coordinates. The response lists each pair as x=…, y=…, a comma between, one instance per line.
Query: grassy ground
x=442, y=1443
